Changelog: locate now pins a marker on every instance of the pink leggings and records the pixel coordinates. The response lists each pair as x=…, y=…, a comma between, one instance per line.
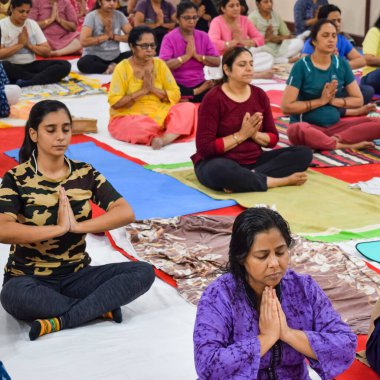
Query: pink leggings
x=139, y=129
x=347, y=131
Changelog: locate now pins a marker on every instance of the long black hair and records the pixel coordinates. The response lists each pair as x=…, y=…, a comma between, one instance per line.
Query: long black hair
x=246, y=226
x=37, y=114
x=229, y=57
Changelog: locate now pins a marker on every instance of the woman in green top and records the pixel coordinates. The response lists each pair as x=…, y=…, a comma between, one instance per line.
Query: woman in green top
x=314, y=96
x=45, y=213
x=278, y=40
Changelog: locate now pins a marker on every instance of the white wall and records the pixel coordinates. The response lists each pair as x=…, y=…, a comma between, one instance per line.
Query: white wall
x=353, y=12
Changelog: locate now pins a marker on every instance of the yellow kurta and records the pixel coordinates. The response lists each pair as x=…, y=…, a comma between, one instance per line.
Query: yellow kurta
x=124, y=83
x=371, y=45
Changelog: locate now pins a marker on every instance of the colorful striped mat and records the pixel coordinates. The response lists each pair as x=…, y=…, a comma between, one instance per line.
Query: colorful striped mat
x=330, y=158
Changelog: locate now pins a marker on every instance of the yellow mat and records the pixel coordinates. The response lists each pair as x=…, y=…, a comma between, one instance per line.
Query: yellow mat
x=322, y=204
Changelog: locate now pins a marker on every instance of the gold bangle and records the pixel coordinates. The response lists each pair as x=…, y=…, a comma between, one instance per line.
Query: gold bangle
x=203, y=58
x=344, y=103
x=236, y=139
x=180, y=59
x=227, y=43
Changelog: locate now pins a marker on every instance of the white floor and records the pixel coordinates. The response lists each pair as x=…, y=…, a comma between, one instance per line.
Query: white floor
x=153, y=342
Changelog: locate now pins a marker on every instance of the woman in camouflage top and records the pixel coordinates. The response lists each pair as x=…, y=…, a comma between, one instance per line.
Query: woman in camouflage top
x=45, y=213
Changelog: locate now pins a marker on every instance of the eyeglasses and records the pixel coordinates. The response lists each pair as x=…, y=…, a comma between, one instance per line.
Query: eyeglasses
x=147, y=46
x=190, y=18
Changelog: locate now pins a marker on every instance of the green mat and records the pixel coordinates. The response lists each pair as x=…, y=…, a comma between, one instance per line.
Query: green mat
x=323, y=209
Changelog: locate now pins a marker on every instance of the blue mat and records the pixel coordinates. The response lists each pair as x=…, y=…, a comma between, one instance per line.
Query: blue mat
x=151, y=194
x=370, y=250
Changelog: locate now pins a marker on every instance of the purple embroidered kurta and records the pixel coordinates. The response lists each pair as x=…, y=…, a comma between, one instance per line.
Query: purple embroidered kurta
x=227, y=325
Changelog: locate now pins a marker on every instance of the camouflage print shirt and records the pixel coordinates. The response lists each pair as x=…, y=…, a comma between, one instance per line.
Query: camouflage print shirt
x=32, y=199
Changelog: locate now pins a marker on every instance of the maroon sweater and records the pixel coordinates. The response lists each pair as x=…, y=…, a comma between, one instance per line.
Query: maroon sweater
x=219, y=116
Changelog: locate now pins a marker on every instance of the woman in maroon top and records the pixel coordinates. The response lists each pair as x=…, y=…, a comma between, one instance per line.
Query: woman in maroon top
x=235, y=123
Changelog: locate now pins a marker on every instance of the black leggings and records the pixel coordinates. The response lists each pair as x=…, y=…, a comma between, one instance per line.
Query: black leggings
x=92, y=64
x=222, y=173
x=79, y=297
x=37, y=72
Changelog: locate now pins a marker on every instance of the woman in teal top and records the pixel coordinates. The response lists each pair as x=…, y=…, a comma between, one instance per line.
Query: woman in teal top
x=314, y=96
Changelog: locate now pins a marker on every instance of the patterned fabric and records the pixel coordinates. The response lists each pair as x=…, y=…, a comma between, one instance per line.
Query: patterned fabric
x=194, y=251
x=4, y=106
x=226, y=343
x=31, y=198
x=73, y=85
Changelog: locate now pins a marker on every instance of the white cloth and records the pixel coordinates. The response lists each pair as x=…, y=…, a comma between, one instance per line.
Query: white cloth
x=371, y=186
x=13, y=93
x=10, y=34
x=262, y=61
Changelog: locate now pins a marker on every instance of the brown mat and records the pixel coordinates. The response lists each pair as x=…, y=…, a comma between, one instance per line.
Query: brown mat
x=194, y=251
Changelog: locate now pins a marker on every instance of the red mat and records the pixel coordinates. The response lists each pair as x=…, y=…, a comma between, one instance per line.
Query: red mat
x=352, y=174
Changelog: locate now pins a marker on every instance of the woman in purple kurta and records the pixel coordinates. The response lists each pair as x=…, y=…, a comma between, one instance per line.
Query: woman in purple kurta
x=261, y=320
x=186, y=51
x=58, y=20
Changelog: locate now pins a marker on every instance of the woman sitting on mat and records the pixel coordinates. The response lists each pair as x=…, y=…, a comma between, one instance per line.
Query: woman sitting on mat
x=371, y=51
x=262, y=320
x=231, y=29
x=101, y=36
x=186, y=52
x=143, y=96
x=235, y=124
x=45, y=213
x=21, y=40
x=158, y=15
x=278, y=40
x=313, y=98
x=58, y=20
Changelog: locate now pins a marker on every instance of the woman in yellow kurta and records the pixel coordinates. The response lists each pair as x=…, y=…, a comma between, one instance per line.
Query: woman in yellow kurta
x=143, y=97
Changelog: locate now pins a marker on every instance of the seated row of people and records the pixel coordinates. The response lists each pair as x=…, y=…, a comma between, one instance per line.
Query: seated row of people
x=235, y=120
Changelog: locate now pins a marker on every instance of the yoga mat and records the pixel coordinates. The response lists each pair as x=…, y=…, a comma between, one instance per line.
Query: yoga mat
x=150, y=194
x=323, y=205
x=331, y=158
x=370, y=250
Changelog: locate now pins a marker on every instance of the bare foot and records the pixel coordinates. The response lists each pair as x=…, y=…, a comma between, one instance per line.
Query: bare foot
x=157, y=143
x=295, y=179
x=359, y=145
x=110, y=68
x=363, y=110
x=263, y=74
x=227, y=191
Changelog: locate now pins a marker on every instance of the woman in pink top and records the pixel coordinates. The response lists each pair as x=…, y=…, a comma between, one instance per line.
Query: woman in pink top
x=231, y=29
x=58, y=20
